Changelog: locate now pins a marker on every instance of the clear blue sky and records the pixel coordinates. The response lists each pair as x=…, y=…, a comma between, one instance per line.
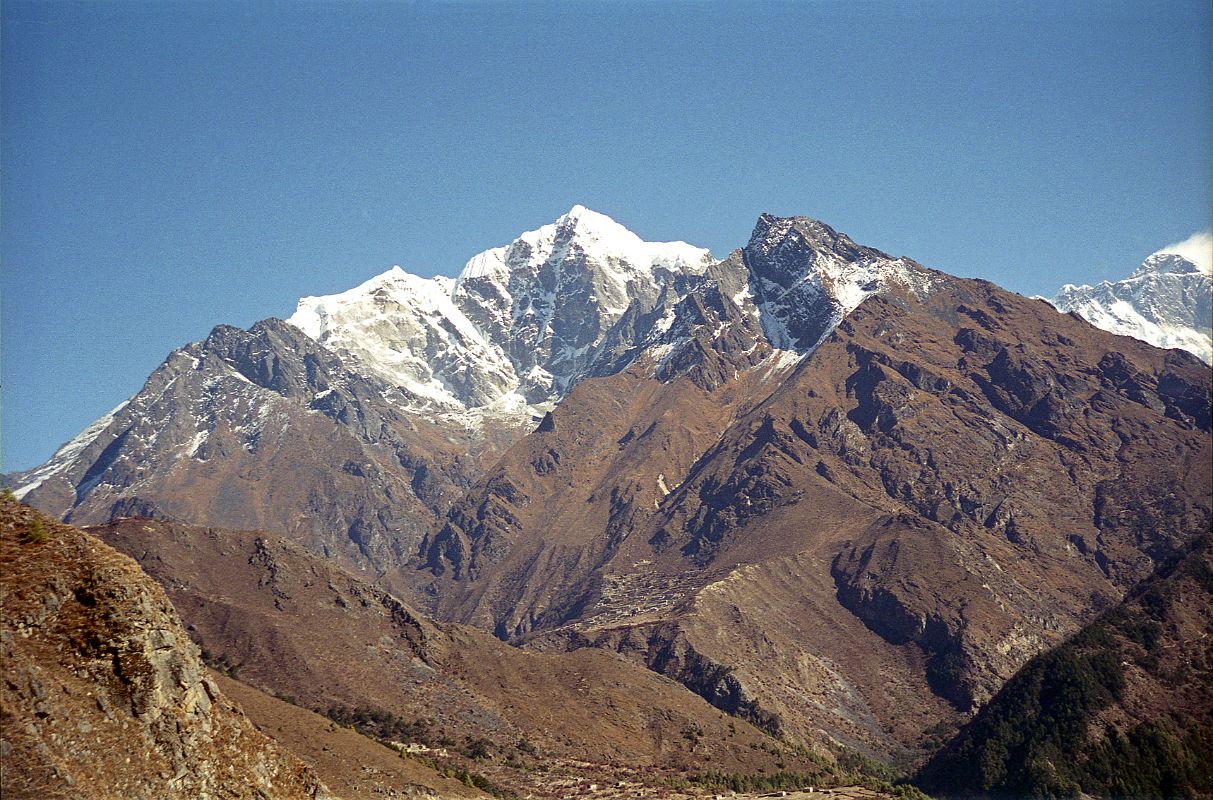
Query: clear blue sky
x=170, y=166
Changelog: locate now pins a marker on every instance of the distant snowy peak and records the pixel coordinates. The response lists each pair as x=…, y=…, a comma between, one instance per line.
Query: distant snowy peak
x=1161, y=263
x=1196, y=249
x=595, y=235
x=1167, y=301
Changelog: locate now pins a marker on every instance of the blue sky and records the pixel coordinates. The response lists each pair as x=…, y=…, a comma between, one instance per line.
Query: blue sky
x=170, y=166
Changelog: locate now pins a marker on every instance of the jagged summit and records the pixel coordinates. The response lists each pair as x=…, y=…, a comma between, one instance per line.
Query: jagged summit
x=1161, y=263
x=1197, y=249
x=518, y=326
x=526, y=321
x=592, y=233
x=805, y=277
x=772, y=232
x=1167, y=301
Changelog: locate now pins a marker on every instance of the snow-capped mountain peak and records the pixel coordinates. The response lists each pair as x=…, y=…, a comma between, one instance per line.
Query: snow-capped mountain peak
x=405, y=329
x=1197, y=249
x=1167, y=301
x=1161, y=263
x=522, y=320
x=593, y=234
x=315, y=315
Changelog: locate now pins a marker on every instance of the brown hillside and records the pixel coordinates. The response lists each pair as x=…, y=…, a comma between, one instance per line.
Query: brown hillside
x=104, y=694
x=353, y=766
x=950, y=484
x=293, y=624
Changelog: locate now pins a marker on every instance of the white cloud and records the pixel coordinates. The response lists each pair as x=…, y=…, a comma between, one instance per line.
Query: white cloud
x=1197, y=248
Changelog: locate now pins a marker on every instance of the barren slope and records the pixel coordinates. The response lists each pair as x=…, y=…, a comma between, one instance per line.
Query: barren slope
x=293, y=624
x=353, y=766
x=104, y=694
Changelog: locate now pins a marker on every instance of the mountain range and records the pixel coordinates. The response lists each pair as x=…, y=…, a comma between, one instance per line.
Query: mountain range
x=830, y=493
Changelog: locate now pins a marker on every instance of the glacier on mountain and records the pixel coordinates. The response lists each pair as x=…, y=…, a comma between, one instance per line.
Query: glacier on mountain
x=524, y=322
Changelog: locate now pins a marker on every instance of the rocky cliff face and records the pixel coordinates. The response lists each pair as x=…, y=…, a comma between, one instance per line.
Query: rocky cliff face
x=805, y=277
x=104, y=693
x=635, y=427
x=266, y=428
x=724, y=345
x=1013, y=496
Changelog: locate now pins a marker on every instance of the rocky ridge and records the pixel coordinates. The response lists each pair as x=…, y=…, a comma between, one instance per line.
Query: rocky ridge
x=518, y=326
x=228, y=430
x=953, y=482
x=104, y=693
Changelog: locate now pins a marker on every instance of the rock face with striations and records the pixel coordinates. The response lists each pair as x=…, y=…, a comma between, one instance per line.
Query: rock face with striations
x=264, y=428
x=805, y=277
x=105, y=695
x=518, y=327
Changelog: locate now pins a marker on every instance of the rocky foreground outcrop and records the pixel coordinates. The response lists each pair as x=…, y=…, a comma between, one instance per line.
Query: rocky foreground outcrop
x=104, y=694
